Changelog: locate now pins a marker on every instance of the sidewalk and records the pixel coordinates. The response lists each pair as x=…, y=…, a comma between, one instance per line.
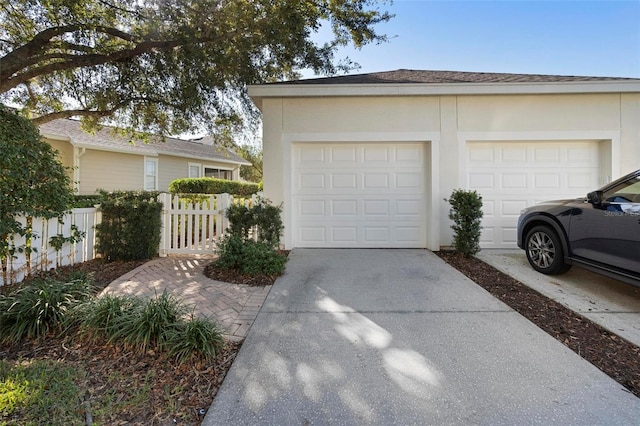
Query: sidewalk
x=233, y=306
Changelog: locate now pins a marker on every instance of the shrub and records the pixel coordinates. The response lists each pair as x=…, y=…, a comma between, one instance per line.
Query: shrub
x=131, y=224
x=249, y=257
x=148, y=326
x=207, y=185
x=83, y=201
x=40, y=307
x=239, y=251
x=263, y=216
x=466, y=213
x=32, y=180
x=196, y=336
x=260, y=258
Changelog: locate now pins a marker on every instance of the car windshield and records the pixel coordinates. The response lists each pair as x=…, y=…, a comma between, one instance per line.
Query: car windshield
x=626, y=192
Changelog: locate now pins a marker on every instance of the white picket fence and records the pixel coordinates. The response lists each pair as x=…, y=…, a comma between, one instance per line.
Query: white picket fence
x=191, y=224
x=41, y=255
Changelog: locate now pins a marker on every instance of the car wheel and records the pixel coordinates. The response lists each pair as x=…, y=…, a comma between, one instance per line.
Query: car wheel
x=544, y=251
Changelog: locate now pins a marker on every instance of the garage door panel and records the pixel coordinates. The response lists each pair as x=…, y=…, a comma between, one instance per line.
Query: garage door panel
x=374, y=182
x=359, y=195
x=393, y=208
x=344, y=181
x=513, y=175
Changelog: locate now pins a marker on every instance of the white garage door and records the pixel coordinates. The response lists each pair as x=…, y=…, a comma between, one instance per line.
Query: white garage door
x=513, y=175
x=359, y=195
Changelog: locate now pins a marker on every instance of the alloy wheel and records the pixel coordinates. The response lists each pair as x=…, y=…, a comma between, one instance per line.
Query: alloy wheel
x=541, y=249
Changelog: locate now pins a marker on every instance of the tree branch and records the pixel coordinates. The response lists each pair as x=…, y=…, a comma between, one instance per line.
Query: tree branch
x=98, y=113
x=31, y=53
x=72, y=113
x=78, y=61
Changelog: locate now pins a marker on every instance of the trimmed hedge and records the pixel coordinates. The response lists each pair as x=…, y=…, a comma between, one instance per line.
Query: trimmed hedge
x=131, y=224
x=213, y=186
x=84, y=201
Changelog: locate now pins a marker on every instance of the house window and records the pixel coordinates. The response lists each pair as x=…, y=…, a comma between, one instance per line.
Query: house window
x=151, y=174
x=194, y=170
x=218, y=173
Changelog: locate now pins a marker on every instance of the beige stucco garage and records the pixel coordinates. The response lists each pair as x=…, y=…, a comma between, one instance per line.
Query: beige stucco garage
x=367, y=160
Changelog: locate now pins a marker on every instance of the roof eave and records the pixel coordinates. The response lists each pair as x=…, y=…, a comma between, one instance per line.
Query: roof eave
x=148, y=153
x=257, y=92
x=212, y=159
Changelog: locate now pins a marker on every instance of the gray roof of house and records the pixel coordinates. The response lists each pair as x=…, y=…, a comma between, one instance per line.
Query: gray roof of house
x=108, y=140
x=449, y=77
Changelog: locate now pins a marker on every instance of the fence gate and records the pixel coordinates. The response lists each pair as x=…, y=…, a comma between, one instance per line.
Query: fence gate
x=192, y=224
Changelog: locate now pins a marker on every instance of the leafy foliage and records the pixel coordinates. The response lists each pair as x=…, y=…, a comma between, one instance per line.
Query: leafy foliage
x=39, y=307
x=238, y=250
x=262, y=216
x=130, y=227
x=466, y=213
x=32, y=181
x=252, y=154
x=249, y=257
x=207, y=185
x=167, y=66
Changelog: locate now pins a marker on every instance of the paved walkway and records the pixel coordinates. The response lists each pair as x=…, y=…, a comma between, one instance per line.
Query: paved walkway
x=233, y=306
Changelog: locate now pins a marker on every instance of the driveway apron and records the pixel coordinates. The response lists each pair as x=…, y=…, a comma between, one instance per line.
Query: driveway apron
x=399, y=337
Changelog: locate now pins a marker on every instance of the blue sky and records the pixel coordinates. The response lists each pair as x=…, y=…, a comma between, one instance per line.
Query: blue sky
x=570, y=37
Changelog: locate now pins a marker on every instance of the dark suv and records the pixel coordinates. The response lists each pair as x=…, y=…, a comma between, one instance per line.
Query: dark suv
x=600, y=232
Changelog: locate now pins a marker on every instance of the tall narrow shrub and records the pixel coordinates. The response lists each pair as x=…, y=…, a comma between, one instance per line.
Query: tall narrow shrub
x=131, y=225
x=466, y=213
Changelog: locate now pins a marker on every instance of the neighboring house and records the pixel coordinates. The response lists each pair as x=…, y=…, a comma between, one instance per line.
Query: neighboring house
x=109, y=161
x=367, y=160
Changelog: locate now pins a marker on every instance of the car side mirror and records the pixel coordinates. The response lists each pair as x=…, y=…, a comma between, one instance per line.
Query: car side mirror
x=595, y=198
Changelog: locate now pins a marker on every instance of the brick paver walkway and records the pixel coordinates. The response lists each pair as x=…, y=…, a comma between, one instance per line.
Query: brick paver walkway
x=233, y=306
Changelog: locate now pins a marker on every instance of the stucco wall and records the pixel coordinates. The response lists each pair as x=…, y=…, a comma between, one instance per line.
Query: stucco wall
x=448, y=122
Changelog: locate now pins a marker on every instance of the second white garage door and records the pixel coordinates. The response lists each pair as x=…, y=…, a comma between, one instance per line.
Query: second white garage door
x=359, y=195
x=513, y=175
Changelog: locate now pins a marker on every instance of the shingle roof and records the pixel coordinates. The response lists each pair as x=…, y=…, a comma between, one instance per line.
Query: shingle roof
x=449, y=77
x=107, y=140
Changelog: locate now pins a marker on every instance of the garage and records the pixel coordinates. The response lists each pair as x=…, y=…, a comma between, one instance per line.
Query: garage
x=513, y=175
x=367, y=160
x=359, y=195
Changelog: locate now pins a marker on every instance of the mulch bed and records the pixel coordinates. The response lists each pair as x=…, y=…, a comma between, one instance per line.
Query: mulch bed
x=234, y=277
x=612, y=354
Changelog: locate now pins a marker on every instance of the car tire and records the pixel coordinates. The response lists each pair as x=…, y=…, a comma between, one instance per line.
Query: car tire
x=544, y=251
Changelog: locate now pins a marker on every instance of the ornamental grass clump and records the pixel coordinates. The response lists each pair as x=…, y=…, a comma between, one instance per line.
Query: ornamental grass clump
x=147, y=327
x=196, y=336
x=40, y=307
x=102, y=316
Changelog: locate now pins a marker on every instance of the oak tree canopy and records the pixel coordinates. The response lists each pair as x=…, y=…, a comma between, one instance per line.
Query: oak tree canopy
x=167, y=66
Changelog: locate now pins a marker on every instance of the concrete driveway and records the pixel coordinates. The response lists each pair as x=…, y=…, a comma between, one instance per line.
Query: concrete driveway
x=610, y=303
x=400, y=337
